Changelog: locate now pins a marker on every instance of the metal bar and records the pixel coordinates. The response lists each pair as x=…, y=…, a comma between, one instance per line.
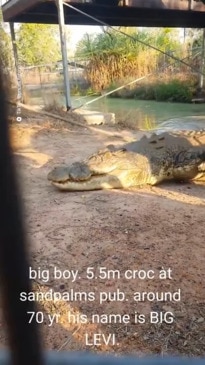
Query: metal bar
x=61, y=19
x=112, y=91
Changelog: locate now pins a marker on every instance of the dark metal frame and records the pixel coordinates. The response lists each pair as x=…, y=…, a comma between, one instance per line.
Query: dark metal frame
x=42, y=11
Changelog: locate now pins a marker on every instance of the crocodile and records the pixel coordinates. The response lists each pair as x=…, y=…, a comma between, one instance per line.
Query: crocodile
x=151, y=160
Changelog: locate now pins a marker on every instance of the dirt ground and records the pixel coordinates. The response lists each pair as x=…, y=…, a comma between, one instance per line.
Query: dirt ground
x=114, y=231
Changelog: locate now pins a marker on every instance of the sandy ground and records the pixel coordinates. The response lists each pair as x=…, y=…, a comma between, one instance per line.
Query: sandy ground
x=112, y=232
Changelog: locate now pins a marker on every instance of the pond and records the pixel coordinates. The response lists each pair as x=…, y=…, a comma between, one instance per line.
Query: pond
x=140, y=114
x=150, y=114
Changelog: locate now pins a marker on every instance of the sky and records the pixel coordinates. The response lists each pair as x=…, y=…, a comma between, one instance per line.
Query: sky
x=77, y=32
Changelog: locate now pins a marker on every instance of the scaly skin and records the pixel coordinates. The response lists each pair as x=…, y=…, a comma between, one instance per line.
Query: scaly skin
x=151, y=160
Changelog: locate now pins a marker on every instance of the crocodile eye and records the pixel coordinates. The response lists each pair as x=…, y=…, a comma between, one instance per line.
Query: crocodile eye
x=153, y=141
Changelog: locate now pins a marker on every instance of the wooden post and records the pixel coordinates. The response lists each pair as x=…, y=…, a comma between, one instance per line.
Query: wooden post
x=61, y=20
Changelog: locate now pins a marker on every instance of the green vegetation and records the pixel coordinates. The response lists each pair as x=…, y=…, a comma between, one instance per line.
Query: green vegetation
x=115, y=59
x=38, y=44
x=6, y=57
x=78, y=91
x=174, y=89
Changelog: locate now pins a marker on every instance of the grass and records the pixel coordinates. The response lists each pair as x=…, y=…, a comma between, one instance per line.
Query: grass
x=180, y=88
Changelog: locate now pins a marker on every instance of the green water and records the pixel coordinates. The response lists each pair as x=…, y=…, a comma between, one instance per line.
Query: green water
x=137, y=113
x=157, y=110
x=149, y=114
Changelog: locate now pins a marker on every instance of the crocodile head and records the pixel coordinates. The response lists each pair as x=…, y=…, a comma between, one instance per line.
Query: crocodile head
x=104, y=170
x=74, y=177
x=148, y=161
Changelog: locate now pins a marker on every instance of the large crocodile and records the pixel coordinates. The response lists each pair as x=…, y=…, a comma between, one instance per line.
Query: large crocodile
x=151, y=160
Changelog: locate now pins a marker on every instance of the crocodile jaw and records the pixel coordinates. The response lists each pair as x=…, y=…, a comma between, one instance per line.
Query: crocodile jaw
x=94, y=183
x=115, y=180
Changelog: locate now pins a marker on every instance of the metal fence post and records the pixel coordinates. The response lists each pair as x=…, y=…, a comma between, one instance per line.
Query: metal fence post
x=61, y=20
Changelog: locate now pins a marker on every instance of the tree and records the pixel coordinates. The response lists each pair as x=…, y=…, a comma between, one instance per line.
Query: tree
x=6, y=57
x=38, y=44
x=193, y=37
x=115, y=56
